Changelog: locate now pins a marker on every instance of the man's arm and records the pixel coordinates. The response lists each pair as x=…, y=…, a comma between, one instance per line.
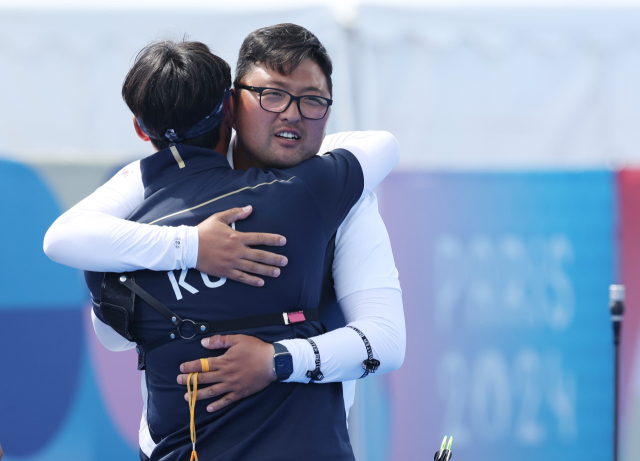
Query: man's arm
x=247, y=366
x=377, y=152
x=94, y=235
x=365, y=277
x=367, y=287
x=368, y=292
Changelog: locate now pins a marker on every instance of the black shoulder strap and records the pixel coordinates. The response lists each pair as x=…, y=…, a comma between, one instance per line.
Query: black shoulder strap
x=127, y=281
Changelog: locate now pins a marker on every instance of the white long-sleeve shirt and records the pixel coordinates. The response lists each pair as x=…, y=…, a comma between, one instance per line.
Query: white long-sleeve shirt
x=93, y=235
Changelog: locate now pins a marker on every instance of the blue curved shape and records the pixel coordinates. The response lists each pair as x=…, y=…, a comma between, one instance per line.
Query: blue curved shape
x=40, y=375
x=87, y=432
x=40, y=314
x=31, y=279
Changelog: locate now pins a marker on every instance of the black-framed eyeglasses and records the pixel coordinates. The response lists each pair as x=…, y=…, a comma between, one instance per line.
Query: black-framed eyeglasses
x=277, y=101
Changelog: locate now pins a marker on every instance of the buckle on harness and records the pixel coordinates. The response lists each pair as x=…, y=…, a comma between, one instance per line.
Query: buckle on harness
x=194, y=329
x=293, y=317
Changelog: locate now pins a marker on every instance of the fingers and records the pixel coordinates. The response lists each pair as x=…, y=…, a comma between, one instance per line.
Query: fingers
x=218, y=342
x=203, y=378
x=261, y=238
x=232, y=215
x=257, y=268
x=215, y=391
x=265, y=257
x=223, y=402
x=242, y=277
x=210, y=392
x=195, y=366
x=212, y=342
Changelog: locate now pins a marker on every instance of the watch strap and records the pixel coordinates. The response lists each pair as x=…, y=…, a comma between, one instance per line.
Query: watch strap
x=280, y=349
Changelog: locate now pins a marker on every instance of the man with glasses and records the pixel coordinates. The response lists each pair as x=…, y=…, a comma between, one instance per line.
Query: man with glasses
x=276, y=100
x=272, y=131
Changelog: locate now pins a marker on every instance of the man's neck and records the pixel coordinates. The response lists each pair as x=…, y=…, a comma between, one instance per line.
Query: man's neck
x=242, y=160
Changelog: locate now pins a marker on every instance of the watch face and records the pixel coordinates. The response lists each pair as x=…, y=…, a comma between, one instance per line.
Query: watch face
x=283, y=365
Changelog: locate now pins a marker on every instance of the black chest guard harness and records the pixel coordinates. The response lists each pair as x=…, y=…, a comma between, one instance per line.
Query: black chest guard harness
x=118, y=293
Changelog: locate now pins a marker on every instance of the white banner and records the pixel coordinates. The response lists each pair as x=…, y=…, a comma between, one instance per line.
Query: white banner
x=62, y=73
x=502, y=87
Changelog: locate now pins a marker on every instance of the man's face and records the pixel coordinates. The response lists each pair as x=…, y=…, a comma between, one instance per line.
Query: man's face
x=264, y=138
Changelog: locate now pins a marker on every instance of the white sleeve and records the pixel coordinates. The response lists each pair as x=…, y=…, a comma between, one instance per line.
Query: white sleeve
x=363, y=257
x=378, y=313
x=368, y=291
x=94, y=235
x=377, y=151
x=108, y=336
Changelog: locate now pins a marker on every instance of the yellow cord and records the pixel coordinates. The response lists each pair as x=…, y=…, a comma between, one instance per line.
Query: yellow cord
x=192, y=408
x=192, y=404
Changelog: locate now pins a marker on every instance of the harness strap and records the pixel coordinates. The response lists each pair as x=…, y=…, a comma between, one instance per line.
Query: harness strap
x=143, y=348
x=157, y=305
x=203, y=328
x=266, y=320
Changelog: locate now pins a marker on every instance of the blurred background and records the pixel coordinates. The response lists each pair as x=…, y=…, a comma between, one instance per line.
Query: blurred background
x=516, y=203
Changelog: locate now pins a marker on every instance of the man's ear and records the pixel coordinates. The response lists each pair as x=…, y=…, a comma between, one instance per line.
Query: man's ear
x=231, y=110
x=225, y=134
x=141, y=134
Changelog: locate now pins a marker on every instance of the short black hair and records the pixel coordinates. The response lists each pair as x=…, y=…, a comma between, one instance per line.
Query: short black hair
x=174, y=85
x=282, y=47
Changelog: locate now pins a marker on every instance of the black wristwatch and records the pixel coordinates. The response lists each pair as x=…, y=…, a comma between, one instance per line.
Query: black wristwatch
x=282, y=362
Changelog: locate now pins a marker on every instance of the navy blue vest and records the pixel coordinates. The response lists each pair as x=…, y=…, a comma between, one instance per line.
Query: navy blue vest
x=306, y=204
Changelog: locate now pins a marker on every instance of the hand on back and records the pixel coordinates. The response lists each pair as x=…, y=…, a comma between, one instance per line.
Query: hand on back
x=244, y=369
x=225, y=252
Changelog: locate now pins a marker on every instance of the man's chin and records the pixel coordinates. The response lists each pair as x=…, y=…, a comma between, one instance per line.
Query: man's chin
x=286, y=159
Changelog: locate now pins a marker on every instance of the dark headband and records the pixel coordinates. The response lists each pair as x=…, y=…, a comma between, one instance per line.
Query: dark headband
x=203, y=126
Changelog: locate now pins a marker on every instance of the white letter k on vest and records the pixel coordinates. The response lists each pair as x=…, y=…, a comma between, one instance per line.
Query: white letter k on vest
x=181, y=283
